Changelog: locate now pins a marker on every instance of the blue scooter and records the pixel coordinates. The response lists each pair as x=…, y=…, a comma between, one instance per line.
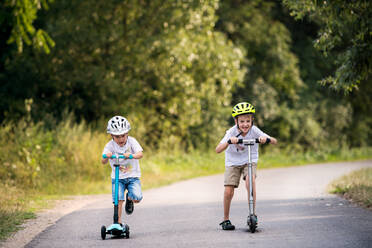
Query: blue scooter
x=116, y=229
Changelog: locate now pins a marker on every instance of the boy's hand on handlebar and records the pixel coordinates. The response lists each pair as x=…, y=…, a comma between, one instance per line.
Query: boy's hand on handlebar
x=105, y=157
x=128, y=155
x=233, y=140
x=109, y=154
x=264, y=140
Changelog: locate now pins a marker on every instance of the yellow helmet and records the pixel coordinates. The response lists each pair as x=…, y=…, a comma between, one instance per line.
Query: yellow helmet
x=243, y=108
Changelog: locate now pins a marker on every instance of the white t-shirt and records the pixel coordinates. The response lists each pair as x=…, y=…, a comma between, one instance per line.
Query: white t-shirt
x=237, y=154
x=132, y=146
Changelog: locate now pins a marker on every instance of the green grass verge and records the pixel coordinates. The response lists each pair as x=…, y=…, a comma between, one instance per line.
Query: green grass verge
x=285, y=158
x=10, y=221
x=356, y=186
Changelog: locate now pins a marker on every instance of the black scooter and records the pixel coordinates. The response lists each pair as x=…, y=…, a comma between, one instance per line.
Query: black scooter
x=252, y=218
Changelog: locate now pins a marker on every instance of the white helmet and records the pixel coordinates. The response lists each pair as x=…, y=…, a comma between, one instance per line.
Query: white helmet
x=118, y=125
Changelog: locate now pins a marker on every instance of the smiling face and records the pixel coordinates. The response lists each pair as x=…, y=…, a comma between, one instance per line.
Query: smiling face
x=120, y=139
x=244, y=122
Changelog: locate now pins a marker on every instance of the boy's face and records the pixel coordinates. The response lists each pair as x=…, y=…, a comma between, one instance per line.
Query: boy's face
x=120, y=139
x=244, y=122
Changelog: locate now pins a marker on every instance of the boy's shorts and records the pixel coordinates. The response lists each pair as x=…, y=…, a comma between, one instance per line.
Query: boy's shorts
x=233, y=174
x=132, y=184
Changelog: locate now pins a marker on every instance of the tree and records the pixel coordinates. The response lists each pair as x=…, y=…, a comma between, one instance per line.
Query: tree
x=272, y=81
x=160, y=63
x=267, y=42
x=345, y=33
x=19, y=17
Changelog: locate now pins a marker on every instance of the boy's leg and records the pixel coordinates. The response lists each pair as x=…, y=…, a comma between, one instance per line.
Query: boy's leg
x=120, y=207
x=134, y=194
x=227, y=197
x=231, y=181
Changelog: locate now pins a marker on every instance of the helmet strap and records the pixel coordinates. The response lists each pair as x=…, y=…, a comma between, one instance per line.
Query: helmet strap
x=240, y=133
x=237, y=125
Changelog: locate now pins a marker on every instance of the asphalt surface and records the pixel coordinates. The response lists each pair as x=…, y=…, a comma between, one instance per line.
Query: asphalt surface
x=293, y=209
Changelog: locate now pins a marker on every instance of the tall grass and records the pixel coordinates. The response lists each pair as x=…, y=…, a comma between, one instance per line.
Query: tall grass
x=356, y=186
x=49, y=160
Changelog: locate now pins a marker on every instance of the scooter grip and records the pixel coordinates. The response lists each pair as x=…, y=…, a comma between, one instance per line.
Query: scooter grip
x=240, y=141
x=120, y=156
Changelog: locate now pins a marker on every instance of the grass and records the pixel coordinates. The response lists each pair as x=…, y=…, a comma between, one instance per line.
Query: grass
x=356, y=186
x=285, y=158
x=163, y=169
x=13, y=210
x=10, y=221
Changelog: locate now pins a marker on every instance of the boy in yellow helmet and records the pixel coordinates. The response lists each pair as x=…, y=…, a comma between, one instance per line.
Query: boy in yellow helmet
x=236, y=155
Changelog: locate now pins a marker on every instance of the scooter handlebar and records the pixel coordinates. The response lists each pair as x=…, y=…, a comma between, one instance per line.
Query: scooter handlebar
x=248, y=141
x=118, y=156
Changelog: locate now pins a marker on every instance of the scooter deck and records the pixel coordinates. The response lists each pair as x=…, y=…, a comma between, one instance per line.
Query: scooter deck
x=117, y=230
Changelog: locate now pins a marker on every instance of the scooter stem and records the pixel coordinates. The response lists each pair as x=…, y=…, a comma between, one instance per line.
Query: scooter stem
x=251, y=204
x=116, y=202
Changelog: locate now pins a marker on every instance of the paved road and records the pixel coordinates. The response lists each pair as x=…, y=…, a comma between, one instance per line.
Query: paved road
x=293, y=209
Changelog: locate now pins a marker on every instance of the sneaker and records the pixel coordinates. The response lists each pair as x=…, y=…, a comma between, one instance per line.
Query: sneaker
x=226, y=225
x=129, y=206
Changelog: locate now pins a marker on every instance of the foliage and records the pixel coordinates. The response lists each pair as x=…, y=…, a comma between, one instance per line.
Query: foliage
x=175, y=68
x=272, y=82
x=47, y=159
x=281, y=80
x=346, y=33
x=116, y=57
x=18, y=16
x=267, y=42
x=344, y=118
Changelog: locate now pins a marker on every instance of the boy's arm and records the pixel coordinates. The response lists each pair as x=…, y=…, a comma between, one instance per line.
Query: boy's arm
x=264, y=140
x=273, y=141
x=221, y=147
x=137, y=155
x=104, y=160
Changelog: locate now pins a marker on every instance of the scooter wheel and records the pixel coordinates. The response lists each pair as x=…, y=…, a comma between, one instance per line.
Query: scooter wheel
x=252, y=223
x=126, y=231
x=103, y=232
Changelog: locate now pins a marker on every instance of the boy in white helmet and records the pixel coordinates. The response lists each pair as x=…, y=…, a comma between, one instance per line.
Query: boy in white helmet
x=236, y=155
x=130, y=172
